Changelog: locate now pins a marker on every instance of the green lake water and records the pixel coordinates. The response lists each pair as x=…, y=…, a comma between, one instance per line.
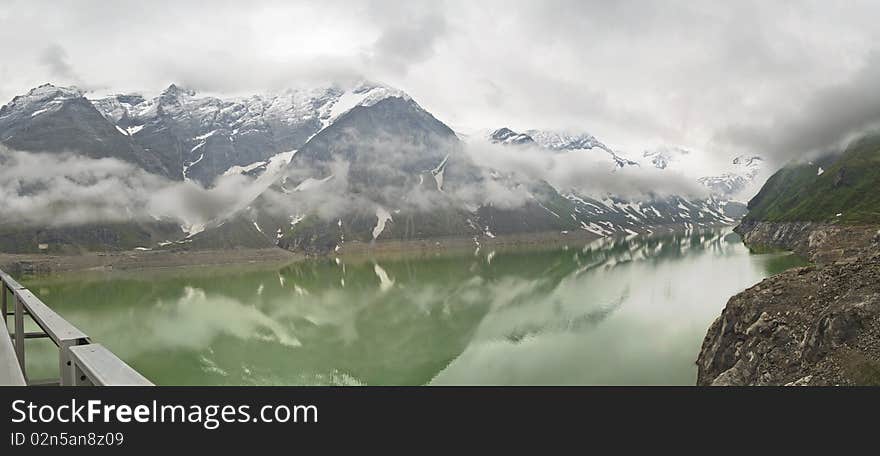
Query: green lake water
x=628, y=311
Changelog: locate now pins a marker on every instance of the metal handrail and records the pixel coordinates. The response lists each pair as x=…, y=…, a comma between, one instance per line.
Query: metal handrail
x=87, y=368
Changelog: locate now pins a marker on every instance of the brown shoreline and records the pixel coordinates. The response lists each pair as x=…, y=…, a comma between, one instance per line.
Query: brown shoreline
x=42, y=264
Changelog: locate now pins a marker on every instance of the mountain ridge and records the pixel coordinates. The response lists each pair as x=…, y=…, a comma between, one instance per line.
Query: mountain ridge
x=360, y=163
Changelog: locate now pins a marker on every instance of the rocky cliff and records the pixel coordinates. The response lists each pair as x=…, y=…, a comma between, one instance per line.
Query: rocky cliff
x=816, y=325
x=819, y=242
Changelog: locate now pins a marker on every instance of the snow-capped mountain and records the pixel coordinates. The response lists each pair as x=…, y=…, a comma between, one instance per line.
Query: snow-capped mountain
x=507, y=136
x=735, y=180
x=179, y=134
x=662, y=157
x=741, y=181
x=612, y=215
x=338, y=164
x=45, y=99
x=555, y=140
x=749, y=165
x=205, y=137
x=386, y=171
x=59, y=119
x=558, y=142
x=605, y=213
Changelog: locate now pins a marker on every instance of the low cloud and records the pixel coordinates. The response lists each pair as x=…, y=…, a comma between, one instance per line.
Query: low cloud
x=588, y=172
x=40, y=189
x=65, y=189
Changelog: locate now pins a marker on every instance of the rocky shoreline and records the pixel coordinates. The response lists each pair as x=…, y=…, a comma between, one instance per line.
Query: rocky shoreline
x=815, y=325
x=821, y=243
x=44, y=264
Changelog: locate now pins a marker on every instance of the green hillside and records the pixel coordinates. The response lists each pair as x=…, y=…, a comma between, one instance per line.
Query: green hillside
x=849, y=186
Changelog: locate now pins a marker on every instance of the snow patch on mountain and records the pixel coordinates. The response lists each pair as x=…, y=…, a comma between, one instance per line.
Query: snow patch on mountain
x=233, y=131
x=558, y=141
x=274, y=164
x=438, y=173
x=362, y=94
x=39, y=100
x=662, y=157
x=382, y=217
x=509, y=137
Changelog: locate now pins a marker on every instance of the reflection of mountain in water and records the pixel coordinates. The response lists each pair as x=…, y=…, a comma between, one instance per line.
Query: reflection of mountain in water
x=331, y=320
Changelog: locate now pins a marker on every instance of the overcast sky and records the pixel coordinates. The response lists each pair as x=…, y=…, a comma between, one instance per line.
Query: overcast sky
x=775, y=78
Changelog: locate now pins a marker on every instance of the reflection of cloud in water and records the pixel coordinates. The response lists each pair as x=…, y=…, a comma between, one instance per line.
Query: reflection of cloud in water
x=194, y=320
x=603, y=322
x=332, y=308
x=609, y=354
x=209, y=366
x=529, y=308
x=550, y=317
x=573, y=323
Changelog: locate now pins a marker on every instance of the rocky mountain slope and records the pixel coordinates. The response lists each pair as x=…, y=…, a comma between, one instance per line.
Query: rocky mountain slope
x=323, y=166
x=57, y=119
x=179, y=134
x=608, y=214
x=201, y=138
x=389, y=170
x=557, y=141
x=398, y=173
x=818, y=325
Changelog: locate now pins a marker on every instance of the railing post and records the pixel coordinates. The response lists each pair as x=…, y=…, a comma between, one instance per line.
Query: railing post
x=78, y=376
x=5, y=306
x=66, y=368
x=19, y=334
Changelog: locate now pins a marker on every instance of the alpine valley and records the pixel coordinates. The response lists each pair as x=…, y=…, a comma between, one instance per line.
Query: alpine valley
x=318, y=169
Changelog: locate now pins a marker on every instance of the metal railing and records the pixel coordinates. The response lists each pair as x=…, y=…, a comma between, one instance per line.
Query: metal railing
x=80, y=362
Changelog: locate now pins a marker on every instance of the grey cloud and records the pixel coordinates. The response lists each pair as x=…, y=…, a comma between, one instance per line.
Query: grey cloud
x=403, y=45
x=55, y=58
x=409, y=32
x=635, y=73
x=587, y=172
x=824, y=123
x=68, y=189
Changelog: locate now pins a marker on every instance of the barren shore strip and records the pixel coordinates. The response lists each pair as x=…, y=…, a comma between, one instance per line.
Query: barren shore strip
x=40, y=264
x=37, y=264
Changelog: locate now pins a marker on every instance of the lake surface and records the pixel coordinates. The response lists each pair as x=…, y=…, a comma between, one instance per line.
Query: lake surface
x=627, y=311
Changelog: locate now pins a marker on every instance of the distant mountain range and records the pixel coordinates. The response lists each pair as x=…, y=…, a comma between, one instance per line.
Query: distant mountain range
x=177, y=134
x=339, y=164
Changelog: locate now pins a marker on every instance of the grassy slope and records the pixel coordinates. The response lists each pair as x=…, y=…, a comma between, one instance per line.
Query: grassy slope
x=849, y=186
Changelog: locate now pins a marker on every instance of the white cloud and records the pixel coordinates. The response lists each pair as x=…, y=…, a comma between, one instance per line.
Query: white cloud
x=67, y=189
x=634, y=73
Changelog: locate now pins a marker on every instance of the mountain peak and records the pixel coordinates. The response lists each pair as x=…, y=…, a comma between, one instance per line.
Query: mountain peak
x=562, y=140
x=51, y=89
x=374, y=93
x=41, y=99
x=748, y=160
x=48, y=92
x=505, y=135
x=662, y=157
x=176, y=91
